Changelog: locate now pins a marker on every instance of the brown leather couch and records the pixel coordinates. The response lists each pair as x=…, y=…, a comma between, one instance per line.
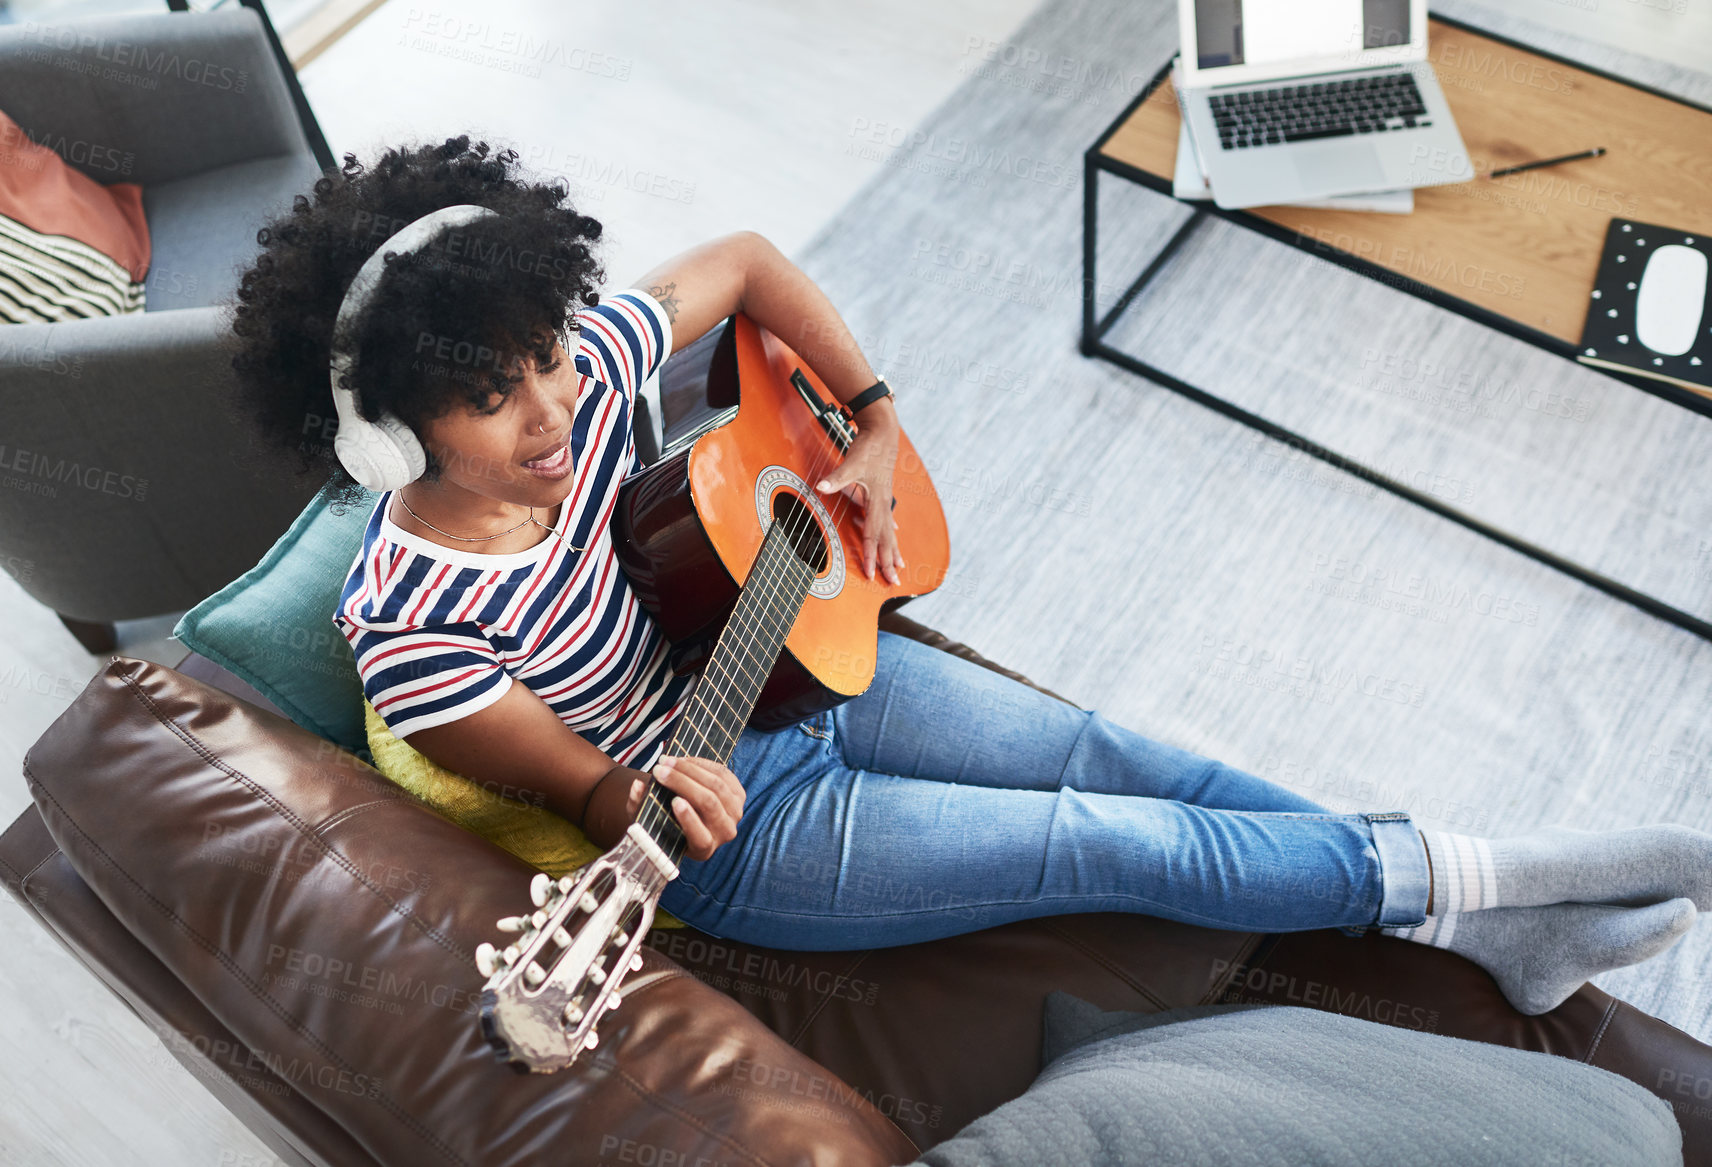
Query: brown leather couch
x=299, y=933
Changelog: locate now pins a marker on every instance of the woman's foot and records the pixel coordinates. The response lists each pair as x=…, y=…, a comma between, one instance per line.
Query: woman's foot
x=1631, y=867
x=1541, y=955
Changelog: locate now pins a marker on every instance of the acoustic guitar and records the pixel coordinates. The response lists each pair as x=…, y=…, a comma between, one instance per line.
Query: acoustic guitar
x=756, y=580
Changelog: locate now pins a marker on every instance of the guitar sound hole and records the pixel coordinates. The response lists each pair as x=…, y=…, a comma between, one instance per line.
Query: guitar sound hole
x=794, y=515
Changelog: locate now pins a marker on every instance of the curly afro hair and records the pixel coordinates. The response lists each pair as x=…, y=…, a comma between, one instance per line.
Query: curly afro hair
x=447, y=325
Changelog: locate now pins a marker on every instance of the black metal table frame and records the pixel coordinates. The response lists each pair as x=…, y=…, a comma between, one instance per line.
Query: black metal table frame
x=1093, y=342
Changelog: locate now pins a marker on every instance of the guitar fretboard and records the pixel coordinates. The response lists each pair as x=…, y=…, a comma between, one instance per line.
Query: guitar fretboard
x=731, y=683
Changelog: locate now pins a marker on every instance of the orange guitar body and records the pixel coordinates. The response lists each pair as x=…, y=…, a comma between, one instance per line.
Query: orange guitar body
x=688, y=528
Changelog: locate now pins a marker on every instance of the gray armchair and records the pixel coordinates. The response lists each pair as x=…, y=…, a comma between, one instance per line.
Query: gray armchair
x=132, y=487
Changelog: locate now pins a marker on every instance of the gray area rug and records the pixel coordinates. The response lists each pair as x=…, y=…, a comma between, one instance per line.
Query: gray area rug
x=1214, y=589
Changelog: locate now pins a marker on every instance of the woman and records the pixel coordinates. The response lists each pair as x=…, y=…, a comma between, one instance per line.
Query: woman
x=495, y=634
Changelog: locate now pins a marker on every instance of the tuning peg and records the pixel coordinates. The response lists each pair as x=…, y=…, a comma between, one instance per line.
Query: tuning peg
x=636, y=963
x=511, y=953
x=620, y=937
x=588, y=903
x=592, y=1040
x=540, y=887
x=596, y=974
x=534, y=974
x=487, y=959
x=561, y=937
x=614, y=1002
x=512, y=923
x=538, y=919
x=573, y=1013
x=566, y=883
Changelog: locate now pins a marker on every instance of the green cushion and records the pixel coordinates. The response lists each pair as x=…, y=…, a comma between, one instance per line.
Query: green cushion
x=273, y=626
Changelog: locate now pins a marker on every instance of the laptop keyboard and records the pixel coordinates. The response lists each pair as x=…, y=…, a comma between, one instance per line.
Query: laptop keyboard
x=1325, y=109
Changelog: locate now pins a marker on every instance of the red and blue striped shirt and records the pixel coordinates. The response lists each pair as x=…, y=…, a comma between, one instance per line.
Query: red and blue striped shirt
x=440, y=633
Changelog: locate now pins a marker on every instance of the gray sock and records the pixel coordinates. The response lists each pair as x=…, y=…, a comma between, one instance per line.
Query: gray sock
x=1541, y=955
x=1633, y=866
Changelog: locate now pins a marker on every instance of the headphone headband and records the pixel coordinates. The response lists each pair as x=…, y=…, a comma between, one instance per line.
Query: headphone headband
x=383, y=455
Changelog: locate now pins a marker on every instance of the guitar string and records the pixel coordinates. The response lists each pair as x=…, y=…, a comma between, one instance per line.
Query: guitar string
x=756, y=614
x=750, y=619
x=762, y=610
x=715, y=684
x=769, y=590
x=786, y=559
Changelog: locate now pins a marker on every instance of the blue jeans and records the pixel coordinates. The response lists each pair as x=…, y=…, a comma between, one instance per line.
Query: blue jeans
x=949, y=797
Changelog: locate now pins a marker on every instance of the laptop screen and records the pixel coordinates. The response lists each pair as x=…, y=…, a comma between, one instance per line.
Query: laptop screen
x=1259, y=32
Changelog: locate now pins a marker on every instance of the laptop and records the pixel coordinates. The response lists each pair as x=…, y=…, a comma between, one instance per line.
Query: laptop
x=1289, y=100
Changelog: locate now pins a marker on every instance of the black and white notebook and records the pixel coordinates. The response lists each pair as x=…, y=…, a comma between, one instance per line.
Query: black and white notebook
x=1651, y=307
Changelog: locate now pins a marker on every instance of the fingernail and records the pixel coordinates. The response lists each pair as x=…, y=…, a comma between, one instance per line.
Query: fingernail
x=823, y=485
x=679, y=805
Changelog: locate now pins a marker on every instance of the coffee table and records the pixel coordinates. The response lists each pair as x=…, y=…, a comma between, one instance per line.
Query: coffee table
x=1518, y=253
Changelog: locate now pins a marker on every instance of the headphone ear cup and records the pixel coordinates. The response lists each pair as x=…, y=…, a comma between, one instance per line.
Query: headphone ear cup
x=412, y=460
x=383, y=455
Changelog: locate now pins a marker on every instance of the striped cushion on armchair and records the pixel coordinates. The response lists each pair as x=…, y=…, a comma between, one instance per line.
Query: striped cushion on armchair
x=70, y=248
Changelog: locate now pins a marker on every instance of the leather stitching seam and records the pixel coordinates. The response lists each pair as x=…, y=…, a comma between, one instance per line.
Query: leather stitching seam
x=1604, y=1023
x=801, y=1030
x=1104, y=962
x=389, y=1104
x=679, y=1113
x=1216, y=992
x=610, y=1064
x=351, y=812
x=24, y=880
x=303, y=828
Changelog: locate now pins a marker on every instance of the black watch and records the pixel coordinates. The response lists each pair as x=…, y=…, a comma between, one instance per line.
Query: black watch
x=868, y=396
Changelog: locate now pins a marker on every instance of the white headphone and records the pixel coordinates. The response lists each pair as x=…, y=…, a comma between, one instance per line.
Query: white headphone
x=383, y=455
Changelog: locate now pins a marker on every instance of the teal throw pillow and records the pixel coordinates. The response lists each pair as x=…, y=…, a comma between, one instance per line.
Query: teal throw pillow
x=273, y=626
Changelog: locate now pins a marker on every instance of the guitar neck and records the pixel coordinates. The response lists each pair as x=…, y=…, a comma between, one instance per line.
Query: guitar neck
x=730, y=684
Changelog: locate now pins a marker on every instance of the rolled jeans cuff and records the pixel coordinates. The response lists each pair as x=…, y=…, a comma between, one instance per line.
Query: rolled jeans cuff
x=1402, y=870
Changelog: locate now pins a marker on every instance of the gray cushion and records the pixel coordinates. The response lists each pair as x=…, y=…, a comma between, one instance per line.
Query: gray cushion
x=1260, y=1084
x=204, y=227
x=179, y=92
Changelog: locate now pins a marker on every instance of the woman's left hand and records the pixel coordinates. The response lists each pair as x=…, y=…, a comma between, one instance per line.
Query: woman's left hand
x=865, y=476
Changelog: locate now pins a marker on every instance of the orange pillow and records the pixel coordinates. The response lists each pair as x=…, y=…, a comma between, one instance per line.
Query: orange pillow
x=73, y=247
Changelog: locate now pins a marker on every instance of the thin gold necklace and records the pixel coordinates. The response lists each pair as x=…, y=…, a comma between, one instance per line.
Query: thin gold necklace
x=485, y=538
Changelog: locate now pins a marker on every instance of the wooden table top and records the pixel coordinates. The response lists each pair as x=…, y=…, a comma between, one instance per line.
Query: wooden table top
x=1525, y=246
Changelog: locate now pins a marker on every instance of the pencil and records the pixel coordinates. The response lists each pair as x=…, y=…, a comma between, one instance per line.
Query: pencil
x=1593, y=153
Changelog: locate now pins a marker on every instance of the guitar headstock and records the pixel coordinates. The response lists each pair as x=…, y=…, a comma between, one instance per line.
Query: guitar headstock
x=548, y=990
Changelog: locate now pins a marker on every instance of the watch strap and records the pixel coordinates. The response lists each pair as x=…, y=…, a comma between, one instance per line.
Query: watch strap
x=869, y=395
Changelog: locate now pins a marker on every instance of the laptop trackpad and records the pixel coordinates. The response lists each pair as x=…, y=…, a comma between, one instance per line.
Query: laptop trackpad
x=1348, y=166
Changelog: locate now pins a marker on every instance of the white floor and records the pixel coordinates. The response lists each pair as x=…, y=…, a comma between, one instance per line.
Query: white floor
x=675, y=122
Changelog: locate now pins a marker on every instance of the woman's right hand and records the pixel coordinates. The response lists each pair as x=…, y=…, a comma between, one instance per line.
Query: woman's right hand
x=707, y=801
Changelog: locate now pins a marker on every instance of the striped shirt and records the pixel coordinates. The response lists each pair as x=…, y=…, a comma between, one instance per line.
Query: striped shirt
x=439, y=634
